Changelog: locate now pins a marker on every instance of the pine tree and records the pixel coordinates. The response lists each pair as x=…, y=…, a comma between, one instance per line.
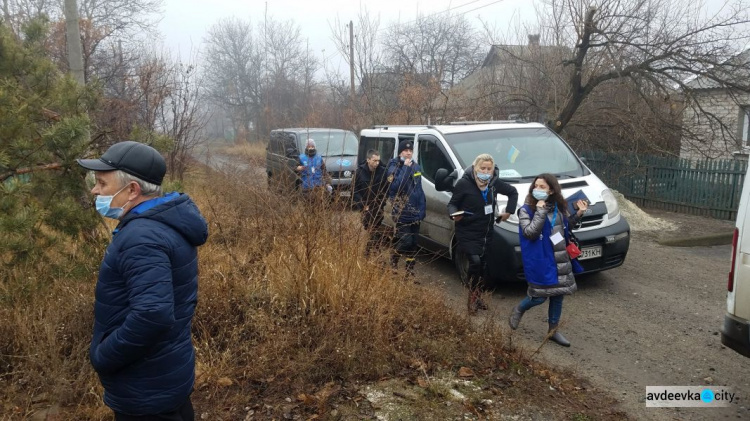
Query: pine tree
x=44, y=127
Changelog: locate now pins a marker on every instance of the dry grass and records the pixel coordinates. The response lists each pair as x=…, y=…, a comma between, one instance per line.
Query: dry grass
x=288, y=306
x=244, y=150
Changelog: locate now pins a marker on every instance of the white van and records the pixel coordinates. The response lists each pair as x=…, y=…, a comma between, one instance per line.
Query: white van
x=521, y=151
x=736, y=332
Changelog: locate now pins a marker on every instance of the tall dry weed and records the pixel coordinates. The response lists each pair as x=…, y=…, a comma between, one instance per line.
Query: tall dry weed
x=287, y=302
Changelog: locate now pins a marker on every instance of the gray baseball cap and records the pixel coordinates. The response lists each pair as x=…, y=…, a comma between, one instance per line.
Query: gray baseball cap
x=134, y=158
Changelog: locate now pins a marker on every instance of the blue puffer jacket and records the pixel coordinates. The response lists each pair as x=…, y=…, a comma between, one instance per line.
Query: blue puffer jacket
x=409, y=204
x=145, y=300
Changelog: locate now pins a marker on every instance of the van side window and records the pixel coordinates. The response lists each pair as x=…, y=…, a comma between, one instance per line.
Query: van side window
x=432, y=157
x=289, y=143
x=274, y=144
x=386, y=146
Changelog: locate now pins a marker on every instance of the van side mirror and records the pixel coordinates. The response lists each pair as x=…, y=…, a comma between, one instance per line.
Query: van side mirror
x=444, y=180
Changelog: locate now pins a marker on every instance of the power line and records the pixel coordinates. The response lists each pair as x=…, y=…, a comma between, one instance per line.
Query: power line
x=449, y=9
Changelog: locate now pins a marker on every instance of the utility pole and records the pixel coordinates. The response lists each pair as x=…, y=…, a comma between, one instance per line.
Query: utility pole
x=73, y=38
x=351, y=58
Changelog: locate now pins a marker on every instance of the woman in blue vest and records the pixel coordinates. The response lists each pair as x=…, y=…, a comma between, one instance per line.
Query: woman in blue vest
x=542, y=225
x=312, y=169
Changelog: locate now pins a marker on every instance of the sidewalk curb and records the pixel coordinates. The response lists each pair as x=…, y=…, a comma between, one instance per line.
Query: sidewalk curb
x=702, y=241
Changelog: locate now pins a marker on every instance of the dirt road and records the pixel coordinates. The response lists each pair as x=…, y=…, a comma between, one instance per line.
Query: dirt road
x=654, y=321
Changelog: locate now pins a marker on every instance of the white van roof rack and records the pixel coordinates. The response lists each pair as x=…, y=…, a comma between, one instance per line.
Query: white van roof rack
x=397, y=126
x=464, y=123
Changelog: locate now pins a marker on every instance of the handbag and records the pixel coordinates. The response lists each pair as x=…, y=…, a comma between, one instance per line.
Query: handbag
x=573, y=246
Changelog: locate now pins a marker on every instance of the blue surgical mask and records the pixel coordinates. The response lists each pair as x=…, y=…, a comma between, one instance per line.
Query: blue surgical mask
x=103, y=206
x=540, y=194
x=483, y=177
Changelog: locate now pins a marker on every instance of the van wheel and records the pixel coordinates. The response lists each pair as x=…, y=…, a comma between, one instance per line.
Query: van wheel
x=462, y=265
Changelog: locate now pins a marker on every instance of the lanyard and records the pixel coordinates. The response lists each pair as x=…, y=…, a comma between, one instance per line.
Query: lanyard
x=554, y=216
x=484, y=194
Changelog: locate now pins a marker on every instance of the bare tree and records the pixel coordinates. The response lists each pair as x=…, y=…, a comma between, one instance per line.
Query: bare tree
x=444, y=46
x=180, y=116
x=659, y=46
x=233, y=65
x=369, y=65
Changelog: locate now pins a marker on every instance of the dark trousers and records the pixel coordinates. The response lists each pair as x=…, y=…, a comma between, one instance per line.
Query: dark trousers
x=183, y=413
x=475, y=272
x=406, y=239
x=406, y=245
x=373, y=223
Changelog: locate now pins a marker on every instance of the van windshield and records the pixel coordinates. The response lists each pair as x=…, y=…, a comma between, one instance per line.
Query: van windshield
x=519, y=153
x=332, y=143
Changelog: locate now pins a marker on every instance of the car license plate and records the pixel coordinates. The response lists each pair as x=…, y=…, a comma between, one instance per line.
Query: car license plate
x=345, y=193
x=590, y=253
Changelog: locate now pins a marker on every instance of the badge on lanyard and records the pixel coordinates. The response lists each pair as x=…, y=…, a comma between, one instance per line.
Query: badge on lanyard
x=488, y=209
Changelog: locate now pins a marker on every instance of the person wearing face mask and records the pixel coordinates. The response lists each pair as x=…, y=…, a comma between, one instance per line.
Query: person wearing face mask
x=370, y=188
x=543, y=221
x=409, y=204
x=312, y=170
x=475, y=194
x=147, y=287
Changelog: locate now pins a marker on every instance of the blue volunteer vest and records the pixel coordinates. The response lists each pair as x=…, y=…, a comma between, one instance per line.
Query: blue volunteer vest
x=538, y=255
x=311, y=178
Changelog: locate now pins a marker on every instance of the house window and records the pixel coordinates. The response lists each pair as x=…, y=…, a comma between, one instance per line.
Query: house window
x=745, y=122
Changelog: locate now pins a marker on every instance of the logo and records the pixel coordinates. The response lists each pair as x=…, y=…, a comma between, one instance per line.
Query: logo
x=688, y=396
x=343, y=162
x=390, y=178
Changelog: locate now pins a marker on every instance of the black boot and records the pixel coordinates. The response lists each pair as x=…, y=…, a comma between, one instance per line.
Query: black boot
x=556, y=336
x=410, y=263
x=394, y=263
x=515, y=317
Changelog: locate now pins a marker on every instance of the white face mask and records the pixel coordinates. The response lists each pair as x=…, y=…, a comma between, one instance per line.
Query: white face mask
x=103, y=206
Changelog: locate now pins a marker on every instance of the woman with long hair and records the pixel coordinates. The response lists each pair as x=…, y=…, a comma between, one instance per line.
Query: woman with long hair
x=542, y=230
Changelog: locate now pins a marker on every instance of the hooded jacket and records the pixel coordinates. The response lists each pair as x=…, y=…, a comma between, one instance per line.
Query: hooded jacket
x=409, y=203
x=546, y=266
x=474, y=232
x=145, y=299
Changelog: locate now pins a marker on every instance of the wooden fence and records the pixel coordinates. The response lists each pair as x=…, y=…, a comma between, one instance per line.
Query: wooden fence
x=699, y=187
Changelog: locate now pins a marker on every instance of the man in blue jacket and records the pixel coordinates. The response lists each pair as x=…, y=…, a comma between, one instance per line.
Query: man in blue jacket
x=409, y=205
x=147, y=287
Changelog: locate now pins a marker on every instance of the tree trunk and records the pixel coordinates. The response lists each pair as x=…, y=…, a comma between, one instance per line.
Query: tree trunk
x=73, y=37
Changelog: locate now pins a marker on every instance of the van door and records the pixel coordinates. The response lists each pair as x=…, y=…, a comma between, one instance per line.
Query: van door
x=437, y=226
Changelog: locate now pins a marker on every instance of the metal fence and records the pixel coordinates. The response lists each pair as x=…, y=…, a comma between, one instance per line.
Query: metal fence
x=699, y=187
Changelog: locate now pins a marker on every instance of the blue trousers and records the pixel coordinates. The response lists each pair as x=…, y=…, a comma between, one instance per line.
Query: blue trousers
x=555, y=306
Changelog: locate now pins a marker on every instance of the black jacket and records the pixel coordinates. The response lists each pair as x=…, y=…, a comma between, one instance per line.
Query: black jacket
x=474, y=232
x=370, y=190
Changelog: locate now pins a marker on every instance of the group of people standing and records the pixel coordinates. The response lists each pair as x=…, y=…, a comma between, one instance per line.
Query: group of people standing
x=401, y=182
x=544, y=226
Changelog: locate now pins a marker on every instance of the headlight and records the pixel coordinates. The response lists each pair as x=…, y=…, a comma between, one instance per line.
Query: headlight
x=613, y=209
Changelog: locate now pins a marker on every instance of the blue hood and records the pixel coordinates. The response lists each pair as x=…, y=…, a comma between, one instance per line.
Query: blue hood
x=175, y=210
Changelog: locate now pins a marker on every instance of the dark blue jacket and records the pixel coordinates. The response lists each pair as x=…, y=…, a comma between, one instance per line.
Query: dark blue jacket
x=145, y=300
x=409, y=204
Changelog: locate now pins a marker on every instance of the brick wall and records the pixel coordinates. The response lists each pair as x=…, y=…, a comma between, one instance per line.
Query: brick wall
x=714, y=141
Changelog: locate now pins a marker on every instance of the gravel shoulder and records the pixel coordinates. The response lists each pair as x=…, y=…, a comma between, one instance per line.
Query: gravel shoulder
x=655, y=321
